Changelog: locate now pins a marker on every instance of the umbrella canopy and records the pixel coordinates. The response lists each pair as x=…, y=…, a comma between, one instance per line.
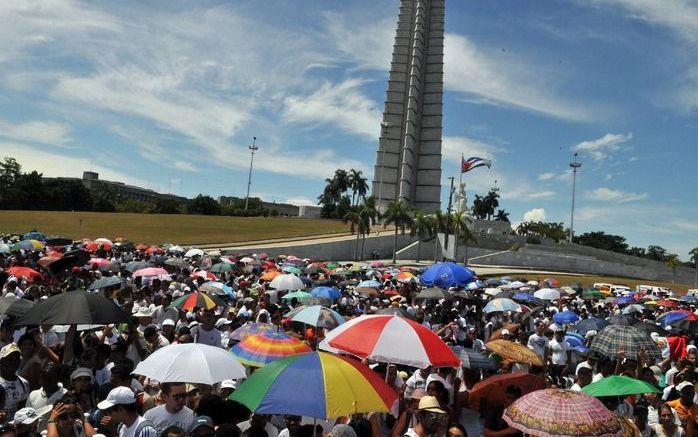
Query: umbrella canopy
x=194, y=252
x=4, y=248
x=196, y=300
x=70, y=259
x=106, y=282
x=633, y=308
x=472, y=359
x=25, y=273
x=622, y=320
x=619, y=385
x=330, y=293
x=291, y=269
x=222, y=267
x=98, y=262
x=667, y=303
x=527, y=298
x=260, y=349
x=176, y=262
x=433, y=293
x=316, y=315
x=392, y=339
x=287, y=282
x=555, y=412
x=300, y=295
x=74, y=307
x=150, y=271
x=547, y=294
x=251, y=328
x=219, y=288
x=13, y=306
x=136, y=265
x=649, y=327
x=317, y=385
x=672, y=317
x=29, y=245
x=489, y=393
x=515, y=352
x=566, y=317
x=369, y=284
x=270, y=274
x=501, y=304
x=592, y=294
x=395, y=311
x=195, y=363
x=447, y=275
x=59, y=241
x=613, y=339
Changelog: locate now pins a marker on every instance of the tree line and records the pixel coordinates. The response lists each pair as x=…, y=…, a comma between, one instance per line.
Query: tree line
x=30, y=191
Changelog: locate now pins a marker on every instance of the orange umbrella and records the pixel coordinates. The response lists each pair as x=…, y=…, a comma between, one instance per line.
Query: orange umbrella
x=270, y=274
x=514, y=352
x=24, y=272
x=490, y=392
x=512, y=327
x=46, y=260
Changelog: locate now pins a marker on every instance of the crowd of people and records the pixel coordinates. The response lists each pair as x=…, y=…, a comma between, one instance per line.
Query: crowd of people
x=61, y=385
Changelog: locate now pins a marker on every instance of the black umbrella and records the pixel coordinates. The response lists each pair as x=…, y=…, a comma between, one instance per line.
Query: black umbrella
x=396, y=311
x=649, y=327
x=433, y=293
x=76, y=307
x=113, y=267
x=106, y=282
x=68, y=261
x=468, y=298
x=590, y=324
x=472, y=359
x=622, y=320
x=12, y=306
x=59, y=241
x=176, y=262
x=136, y=265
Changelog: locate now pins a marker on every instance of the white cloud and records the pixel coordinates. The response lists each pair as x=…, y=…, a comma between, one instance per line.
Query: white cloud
x=61, y=165
x=602, y=147
x=44, y=132
x=546, y=176
x=610, y=195
x=534, y=215
x=370, y=47
x=510, y=82
x=681, y=16
x=342, y=104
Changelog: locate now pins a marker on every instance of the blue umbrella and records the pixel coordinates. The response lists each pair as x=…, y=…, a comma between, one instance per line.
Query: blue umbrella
x=369, y=284
x=625, y=300
x=447, y=275
x=576, y=343
x=566, y=317
x=526, y=297
x=590, y=324
x=34, y=235
x=326, y=293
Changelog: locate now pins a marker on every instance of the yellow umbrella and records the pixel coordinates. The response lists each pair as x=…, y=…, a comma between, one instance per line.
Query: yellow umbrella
x=515, y=352
x=270, y=274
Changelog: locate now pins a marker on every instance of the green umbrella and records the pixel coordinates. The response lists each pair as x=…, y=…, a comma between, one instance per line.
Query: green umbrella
x=618, y=385
x=300, y=295
x=222, y=267
x=592, y=293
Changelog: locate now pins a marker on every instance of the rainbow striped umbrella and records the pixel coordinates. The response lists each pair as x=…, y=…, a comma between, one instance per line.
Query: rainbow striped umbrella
x=249, y=329
x=196, y=300
x=260, y=349
x=315, y=384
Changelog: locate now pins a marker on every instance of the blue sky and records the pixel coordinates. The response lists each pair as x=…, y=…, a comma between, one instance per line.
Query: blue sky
x=168, y=95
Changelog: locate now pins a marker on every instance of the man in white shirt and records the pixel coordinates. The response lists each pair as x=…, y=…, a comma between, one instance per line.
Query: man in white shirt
x=560, y=356
x=417, y=380
x=173, y=411
x=207, y=333
x=16, y=388
x=154, y=338
x=120, y=404
x=538, y=342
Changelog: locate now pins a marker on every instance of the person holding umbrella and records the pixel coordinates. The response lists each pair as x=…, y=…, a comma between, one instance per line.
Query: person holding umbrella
x=431, y=419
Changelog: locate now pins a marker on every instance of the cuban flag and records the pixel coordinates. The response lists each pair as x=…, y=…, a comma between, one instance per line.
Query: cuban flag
x=474, y=162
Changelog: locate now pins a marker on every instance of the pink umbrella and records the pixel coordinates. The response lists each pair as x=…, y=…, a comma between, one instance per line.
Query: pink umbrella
x=150, y=271
x=376, y=264
x=391, y=339
x=98, y=261
x=555, y=412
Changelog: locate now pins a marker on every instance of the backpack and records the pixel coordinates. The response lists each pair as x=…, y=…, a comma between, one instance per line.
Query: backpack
x=141, y=426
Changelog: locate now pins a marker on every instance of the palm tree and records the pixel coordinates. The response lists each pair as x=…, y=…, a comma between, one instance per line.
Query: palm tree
x=358, y=185
x=479, y=207
x=397, y=214
x=361, y=218
x=502, y=216
x=491, y=202
x=694, y=258
x=467, y=235
x=672, y=261
x=423, y=227
x=341, y=181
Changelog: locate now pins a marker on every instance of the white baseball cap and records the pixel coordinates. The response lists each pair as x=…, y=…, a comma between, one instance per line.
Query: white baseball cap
x=28, y=415
x=118, y=396
x=168, y=322
x=229, y=383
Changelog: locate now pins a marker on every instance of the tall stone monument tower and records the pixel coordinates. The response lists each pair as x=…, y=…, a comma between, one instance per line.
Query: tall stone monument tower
x=408, y=160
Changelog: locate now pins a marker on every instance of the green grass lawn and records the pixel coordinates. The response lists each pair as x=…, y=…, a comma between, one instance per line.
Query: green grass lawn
x=162, y=228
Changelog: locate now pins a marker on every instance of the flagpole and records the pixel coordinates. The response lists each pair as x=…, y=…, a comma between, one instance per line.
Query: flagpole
x=459, y=209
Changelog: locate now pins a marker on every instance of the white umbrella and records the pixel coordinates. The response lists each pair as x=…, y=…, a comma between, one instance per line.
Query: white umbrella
x=287, y=282
x=179, y=249
x=104, y=241
x=547, y=294
x=191, y=362
x=246, y=259
x=513, y=285
x=493, y=291
x=194, y=252
x=4, y=248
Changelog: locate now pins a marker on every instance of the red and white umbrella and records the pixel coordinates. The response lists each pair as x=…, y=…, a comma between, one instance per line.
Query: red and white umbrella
x=204, y=274
x=391, y=339
x=98, y=261
x=150, y=271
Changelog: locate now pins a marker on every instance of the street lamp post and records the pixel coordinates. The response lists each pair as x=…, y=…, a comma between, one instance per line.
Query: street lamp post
x=381, y=143
x=448, y=215
x=253, y=148
x=575, y=166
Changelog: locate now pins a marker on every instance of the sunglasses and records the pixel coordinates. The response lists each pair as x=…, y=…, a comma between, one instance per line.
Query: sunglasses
x=437, y=417
x=179, y=397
